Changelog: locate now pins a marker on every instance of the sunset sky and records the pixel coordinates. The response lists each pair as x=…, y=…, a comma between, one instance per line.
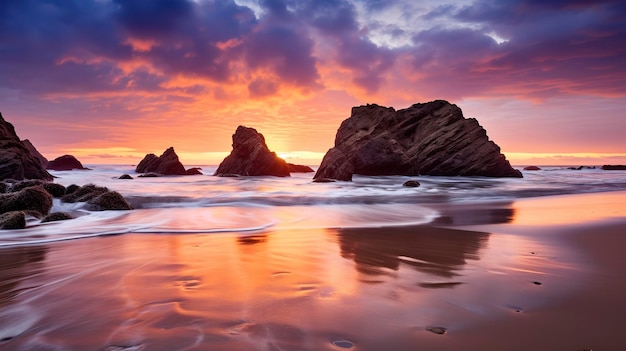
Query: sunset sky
x=112, y=80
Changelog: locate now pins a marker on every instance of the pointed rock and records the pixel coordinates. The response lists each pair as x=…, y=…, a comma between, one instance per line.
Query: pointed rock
x=166, y=164
x=425, y=139
x=16, y=161
x=251, y=157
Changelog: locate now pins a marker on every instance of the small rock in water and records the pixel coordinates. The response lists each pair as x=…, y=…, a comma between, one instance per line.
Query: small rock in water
x=125, y=176
x=537, y=283
x=411, y=183
x=437, y=330
x=228, y=175
x=57, y=216
x=323, y=180
x=343, y=343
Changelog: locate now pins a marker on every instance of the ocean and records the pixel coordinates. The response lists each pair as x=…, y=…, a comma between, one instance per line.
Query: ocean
x=265, y=263
x=209, y=204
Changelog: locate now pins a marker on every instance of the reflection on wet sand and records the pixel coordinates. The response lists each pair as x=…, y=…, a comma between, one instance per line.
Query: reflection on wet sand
x=441, y=252
x=16, y=264
x=251, y=239
x=475, y=213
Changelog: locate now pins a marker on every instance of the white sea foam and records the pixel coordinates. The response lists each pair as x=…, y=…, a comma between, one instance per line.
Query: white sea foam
x=208, y=204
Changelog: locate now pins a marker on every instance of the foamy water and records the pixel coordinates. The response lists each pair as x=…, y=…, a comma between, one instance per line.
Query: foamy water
x=209, y=204
x=209, y=263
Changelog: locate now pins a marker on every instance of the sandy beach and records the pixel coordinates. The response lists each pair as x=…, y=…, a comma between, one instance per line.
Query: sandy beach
x=534, y=274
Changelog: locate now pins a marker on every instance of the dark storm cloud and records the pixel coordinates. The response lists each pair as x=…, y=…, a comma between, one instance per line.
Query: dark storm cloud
x=152, y=18
x=92, y=46
x=50, y=43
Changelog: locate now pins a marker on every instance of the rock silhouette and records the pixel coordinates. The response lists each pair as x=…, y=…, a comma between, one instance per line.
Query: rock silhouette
x=65, y=163
x=16, y=161
x=251, y=157
x=425, y=139
x=166, y=164
x=34, y=152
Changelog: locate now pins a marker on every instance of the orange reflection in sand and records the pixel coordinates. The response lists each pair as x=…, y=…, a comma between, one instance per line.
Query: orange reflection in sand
x=570, y=209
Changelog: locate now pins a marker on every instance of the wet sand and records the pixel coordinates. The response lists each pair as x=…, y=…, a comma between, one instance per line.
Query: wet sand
x=541, y=274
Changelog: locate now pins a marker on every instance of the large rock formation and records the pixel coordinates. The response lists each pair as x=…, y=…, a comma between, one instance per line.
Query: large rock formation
x=251, y=157
x=34, y=152
x=166, y=164
x=65, y=163
x=16, y=162
x=425, y=139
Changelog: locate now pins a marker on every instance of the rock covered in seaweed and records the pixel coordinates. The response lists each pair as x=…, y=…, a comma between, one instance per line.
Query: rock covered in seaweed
x=16, y=161
x=251, y=157
x=110, y=200
x=57, y=216
x=13, y=220
x=99, y=198
x=425, y=139
x=34, y=200
x=55, y=189
x=65, y=163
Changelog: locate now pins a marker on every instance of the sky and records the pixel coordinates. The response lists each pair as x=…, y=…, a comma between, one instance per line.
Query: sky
x=112, y=80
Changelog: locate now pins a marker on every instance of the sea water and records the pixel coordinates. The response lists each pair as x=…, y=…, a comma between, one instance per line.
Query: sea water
x=211, y=204
x=267, y=263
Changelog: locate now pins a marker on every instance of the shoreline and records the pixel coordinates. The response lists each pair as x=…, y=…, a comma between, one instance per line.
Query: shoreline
x=523, y=282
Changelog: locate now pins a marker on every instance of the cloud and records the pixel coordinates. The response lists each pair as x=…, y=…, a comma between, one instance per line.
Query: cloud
x=196, y=63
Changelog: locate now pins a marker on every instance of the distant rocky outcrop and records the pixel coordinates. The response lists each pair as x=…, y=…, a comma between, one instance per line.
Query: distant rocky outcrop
x=614, y=167
x=16, y=161
x=166, y=164
x=194, y=171
x=299, y=168
x=251, y=157
x=532, y=168
x=65, y=163
x=425, y=139
x=34, y=152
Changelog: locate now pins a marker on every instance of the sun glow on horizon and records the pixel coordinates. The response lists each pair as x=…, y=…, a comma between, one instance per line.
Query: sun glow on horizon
x=128, y=155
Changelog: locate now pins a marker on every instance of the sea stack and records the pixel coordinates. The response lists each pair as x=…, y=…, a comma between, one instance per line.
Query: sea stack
x=65, y=163
x=251, y=157
x=166, y=164
x=425, y=139
x=16, y=161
